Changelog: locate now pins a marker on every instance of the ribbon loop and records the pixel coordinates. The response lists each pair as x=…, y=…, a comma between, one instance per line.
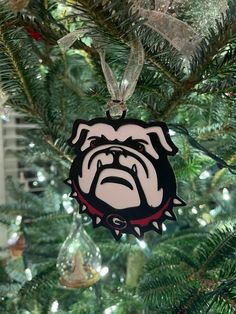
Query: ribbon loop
x=121, y=92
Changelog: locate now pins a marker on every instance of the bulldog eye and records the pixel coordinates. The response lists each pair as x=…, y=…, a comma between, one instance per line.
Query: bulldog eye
x=93, y=143
x=135, y=145
x=140, y=147
x=97, y=142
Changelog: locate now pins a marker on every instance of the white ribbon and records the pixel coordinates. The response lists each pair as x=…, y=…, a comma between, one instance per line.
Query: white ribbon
x=178, y=33
x=68, y=40
x=120, y=93
x=125, y=89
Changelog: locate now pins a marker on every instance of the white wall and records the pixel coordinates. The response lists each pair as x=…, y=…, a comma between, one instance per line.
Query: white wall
x=3, y=229
x=2, y=172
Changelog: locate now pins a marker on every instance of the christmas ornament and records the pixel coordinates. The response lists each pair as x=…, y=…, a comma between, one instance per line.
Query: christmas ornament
x=18, y=5
x=79, y=259
x=121, y=175
x=229, y=94
x=34, y=34
x=17, y=246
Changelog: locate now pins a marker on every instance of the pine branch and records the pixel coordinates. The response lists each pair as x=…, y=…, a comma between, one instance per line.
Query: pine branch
x=222, y=241
x=52, y=217
x=218, y=175
x=222, y=297
x=102, y=19
x=59, y=151
x=158, y=290
x=10, y=288
x=208, y=49
x=175, y=100
x=16, y=67
x=201, y=286
x=221, y=130
x=39, y=284
x=159, y=65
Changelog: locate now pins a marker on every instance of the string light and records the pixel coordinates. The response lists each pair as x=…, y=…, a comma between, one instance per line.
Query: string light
x=18, y=220
x=122, y=279
x=225, y=194
x=194, y=210
x=204, y=175
x=142, y=244
x=214, y=212
x=164, y=227
x=202, y=222
x=54, y=306
x=31, y=145
x=41, y=176
x=67, y=203
x=104, y=271
x=12, y=240
x=110, y=310
x=171, y=132
x=28, y=274
x=69, y=209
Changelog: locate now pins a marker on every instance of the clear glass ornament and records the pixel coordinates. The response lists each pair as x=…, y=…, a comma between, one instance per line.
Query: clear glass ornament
x=79, y=259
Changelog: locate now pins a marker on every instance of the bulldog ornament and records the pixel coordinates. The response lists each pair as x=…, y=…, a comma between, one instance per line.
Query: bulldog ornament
x=121, y=175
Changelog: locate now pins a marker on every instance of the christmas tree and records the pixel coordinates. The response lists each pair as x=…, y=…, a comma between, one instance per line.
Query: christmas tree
x=51, y=74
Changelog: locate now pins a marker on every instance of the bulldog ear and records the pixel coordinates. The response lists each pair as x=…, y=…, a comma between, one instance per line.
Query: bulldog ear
x=164, y=138
x=79, y=132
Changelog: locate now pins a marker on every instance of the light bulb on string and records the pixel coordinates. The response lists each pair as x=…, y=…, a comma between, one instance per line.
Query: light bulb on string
x=111, y=309
x=210, y=171
x=54, y=306
x=79, y=259
x=18, y=220
x=164, y=227
x=225, y=194
x=41, y=177
x=142, y=244
x=204, y=175
x=104, y=271
x=172, y=132
x=194, y=210
x=66, y=201
x=28, y=274
x=31, y=145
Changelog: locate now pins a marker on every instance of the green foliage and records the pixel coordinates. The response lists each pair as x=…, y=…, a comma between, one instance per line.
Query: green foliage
x=190, y=269
x=200, y=278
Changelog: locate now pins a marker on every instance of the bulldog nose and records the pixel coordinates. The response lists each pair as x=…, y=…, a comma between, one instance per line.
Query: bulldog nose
x=116, y=150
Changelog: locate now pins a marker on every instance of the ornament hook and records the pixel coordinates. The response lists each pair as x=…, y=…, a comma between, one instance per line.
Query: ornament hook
x=116, y=109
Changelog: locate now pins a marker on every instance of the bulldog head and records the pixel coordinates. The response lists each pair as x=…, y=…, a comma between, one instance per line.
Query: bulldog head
x=121, y=175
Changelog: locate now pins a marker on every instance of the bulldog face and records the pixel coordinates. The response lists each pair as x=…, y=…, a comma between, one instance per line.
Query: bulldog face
x=121, y=175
